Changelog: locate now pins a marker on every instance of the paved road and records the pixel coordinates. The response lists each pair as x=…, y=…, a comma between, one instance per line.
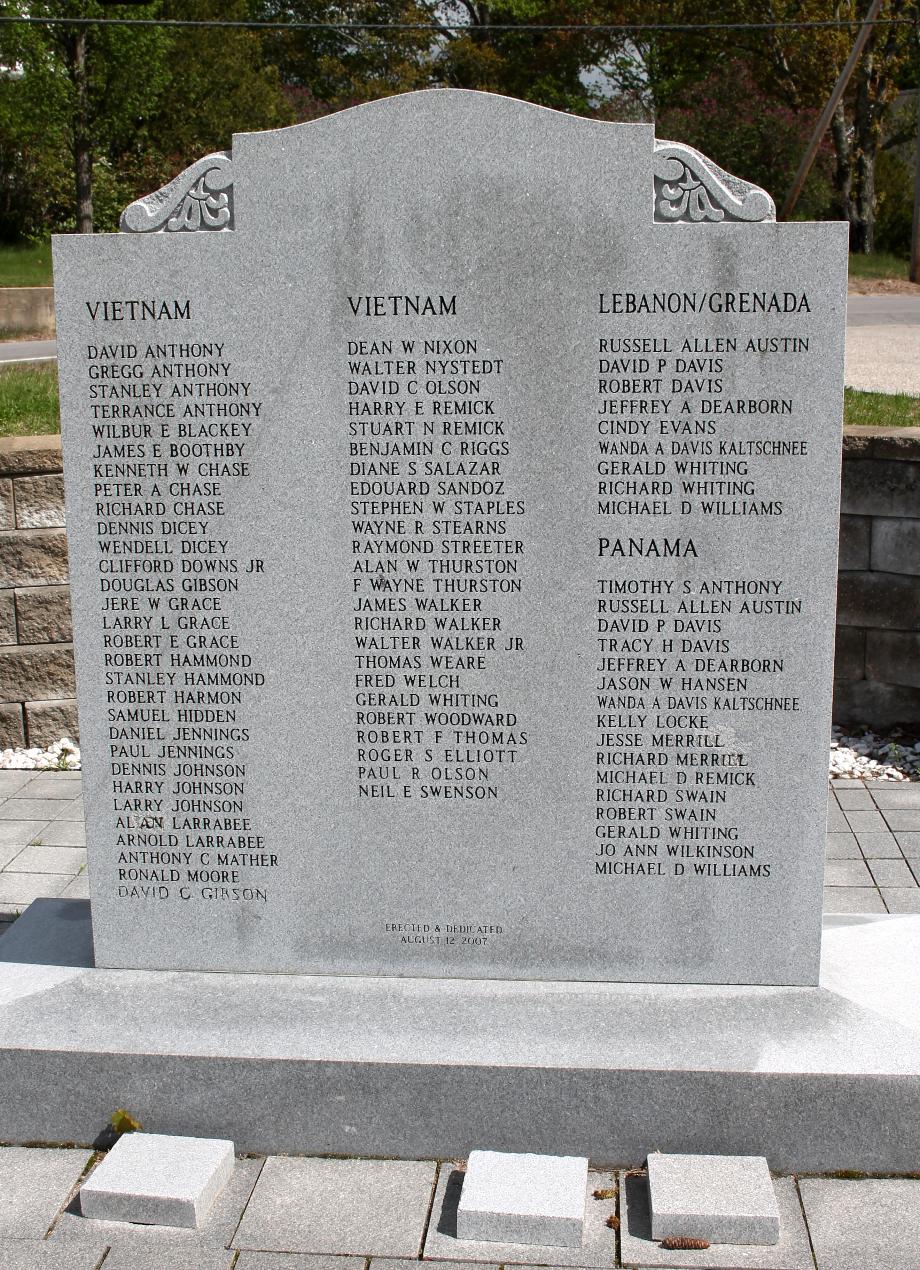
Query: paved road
x=883, y=310
x=28, y=351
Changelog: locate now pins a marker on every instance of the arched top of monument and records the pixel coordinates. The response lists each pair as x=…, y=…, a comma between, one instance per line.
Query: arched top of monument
x=438, y=137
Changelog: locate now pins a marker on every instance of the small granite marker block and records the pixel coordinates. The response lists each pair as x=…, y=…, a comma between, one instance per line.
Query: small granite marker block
x=523, y=1199
x=158, y=1180
x=727, y=1199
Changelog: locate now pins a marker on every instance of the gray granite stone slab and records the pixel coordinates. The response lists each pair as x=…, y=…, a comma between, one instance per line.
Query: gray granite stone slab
x=34, y=1255
x=836, y=820
x=158, y=1179
x=54, y=785
x=892, y=873
x=725, y=1199
x=597, y=1247
x=853, y=899
x=814, y=1080
x=35, y=1184
x=45, y=859
x=878, y=846
x=855, y=800
x=909, y=843
x=355, y=1207
x=901, y=899
x=458, y=865
x=11, y=781
x=638, y=1248
x=43, y=809
x=305, y=1261
x=901, y=820
x=173, y=1258
x=213, y=1236
x=515, y=1198
x=858, y=1224
x=866, y=821
x=842, y=846
x=847, y=873
x=896, y=797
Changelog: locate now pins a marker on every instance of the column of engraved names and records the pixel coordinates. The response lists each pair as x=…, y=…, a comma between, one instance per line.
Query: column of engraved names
x=171, y=423
x=681, y=657
x=436, y=563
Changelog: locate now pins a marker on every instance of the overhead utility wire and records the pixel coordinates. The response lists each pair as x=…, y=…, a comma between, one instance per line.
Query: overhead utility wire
x=440, y=27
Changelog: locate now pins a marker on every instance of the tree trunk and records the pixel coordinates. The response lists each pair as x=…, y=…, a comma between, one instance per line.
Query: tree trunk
x=843, y=174
x=82, y=149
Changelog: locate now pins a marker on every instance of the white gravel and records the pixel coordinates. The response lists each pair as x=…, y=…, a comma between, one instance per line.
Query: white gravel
x=62, y=756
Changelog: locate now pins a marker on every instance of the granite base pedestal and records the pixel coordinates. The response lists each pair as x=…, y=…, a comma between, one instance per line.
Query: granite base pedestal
x=815, y=1079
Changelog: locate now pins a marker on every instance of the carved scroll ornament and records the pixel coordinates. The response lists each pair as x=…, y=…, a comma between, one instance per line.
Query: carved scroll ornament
x=201, y=197
x=690, y=188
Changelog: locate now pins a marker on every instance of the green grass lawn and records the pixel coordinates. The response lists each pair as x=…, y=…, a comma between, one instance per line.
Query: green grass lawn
x=25, y=265
x=29, y=400
x=881, y=409
x=878, y=265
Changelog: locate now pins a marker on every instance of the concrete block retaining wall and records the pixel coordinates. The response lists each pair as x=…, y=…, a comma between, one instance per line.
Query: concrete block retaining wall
x=27, y=309
x=877, y=672
x=37, y=703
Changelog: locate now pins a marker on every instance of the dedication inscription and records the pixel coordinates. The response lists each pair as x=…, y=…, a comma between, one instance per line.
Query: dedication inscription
x=452, y=499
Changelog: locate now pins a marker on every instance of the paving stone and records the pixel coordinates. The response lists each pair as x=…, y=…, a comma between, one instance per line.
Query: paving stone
x=852, y=899
x=865, y=821
x=846, y=873
x=357, y=1207
x=903, y=819
x=162, y=1179
x=213, y=1235
x=637, y=1248
x=836, y=820
x=597, y=1249
x=77, y=888
x=897, y=797
x=18, y=890
x=19, y=833
x=71, y=811
x=178, y=1259
x=56, y=785
x=864, y=1225
x=11, y=781
x=846, y=782
x=64, y=833
x=855, y=800
x=35, y=1183
x=727, y=1199
x=43, y=809
x=303, y=1261
x=901, y=899
x=50, y=721
x=878, y=846
x=843, y=846
x=909, y=844
x=70, y=860
x=43, y=615
x=517, y=1198
x=888, y=873
x=40, y=501
x=31, y=1254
